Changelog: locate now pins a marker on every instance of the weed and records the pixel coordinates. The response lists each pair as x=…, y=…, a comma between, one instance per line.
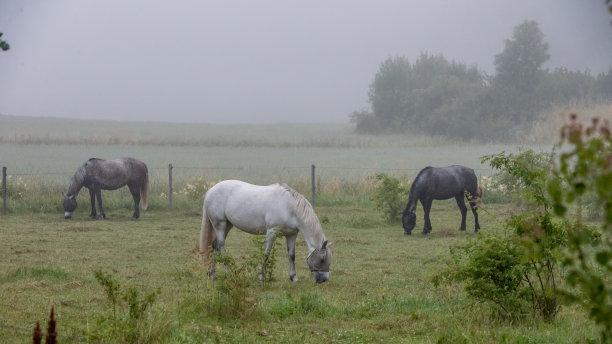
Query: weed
x=129, y=324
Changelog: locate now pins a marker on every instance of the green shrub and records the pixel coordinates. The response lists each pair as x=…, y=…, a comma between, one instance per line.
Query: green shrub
x=490, y=270
x=518, y=271
x=390, y=196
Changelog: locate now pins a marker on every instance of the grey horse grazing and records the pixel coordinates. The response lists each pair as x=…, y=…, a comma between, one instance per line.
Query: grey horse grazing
x=97, y=174
x=439, y=183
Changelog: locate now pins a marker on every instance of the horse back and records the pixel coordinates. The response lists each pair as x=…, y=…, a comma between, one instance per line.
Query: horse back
x=251, y=208
x=452, y=181
x=113, y=174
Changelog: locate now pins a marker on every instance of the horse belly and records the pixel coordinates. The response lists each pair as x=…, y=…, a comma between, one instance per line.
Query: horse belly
x=247, y=220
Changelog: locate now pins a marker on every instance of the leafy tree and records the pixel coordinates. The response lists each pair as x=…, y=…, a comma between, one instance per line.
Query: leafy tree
x=439, y=97
x=431, y=94
x=519, y=65
x=3, y=44
x=518, y=75
x=563, y=85
x=389, y=90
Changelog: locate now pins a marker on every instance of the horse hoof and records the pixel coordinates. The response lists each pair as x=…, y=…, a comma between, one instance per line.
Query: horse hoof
x=102, y=217
x=134, y=218
x=407, y=233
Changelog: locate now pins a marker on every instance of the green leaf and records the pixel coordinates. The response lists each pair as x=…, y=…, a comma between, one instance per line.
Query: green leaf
x=559, y=209
x=602, y=257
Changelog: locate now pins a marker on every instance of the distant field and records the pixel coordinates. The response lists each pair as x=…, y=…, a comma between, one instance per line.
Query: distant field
x=260, y=154
x=37, y=130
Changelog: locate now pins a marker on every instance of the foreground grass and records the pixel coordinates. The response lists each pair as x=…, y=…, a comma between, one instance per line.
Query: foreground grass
x=379, y=289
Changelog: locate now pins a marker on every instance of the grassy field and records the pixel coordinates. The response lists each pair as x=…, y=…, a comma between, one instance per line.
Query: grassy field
x=379, y=290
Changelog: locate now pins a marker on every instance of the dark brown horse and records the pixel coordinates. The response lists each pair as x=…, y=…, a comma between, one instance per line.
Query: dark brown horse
x=97, y=174
x=439, y=183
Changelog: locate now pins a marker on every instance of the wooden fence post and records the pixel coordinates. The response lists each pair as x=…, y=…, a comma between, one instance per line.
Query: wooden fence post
x=312, y=181
x=3, y=190
x=170, y=185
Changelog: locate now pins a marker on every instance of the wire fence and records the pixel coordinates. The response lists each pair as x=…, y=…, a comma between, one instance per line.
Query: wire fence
x=255, y=174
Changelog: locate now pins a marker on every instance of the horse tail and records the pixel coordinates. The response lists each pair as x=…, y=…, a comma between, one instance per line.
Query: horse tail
x=208, y=238
x=474, y=191
x=144, y=190
x=479, y=192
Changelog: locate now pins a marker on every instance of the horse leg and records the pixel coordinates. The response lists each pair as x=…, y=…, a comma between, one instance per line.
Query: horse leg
x=92, y=198
x=270, y=234
x=463, y=209
x=426, y=208
x=474, y=207
x=221, y=228
x=291, y=255
x=99, y=197
x=135, y=191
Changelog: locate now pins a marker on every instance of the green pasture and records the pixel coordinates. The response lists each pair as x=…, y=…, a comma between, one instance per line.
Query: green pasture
x=379, y=290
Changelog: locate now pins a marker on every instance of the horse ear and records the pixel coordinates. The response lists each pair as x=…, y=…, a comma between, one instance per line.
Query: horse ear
x=326, y=245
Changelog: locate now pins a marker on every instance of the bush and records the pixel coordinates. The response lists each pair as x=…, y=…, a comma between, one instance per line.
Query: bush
x=491, y=271
x=390, y=196
x=518, y=271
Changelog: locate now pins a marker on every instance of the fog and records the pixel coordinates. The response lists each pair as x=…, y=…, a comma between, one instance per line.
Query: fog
x=258, y=61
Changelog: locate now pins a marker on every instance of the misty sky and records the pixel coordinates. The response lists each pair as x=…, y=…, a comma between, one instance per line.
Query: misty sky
x=258, y=61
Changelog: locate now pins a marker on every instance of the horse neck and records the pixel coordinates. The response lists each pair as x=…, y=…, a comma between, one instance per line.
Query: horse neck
x=412, y=197
x=313, y=236
x=76, y=182
x=310, y=227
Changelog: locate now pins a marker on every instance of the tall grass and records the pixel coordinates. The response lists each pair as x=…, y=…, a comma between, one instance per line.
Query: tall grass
x=546, y=129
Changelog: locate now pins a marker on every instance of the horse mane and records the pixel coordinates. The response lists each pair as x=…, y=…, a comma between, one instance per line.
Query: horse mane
x=411, y=194
x=418, y=178
x=303, y=208
x=76, y=182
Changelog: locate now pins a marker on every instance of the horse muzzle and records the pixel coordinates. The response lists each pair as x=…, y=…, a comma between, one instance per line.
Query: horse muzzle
x=320, y=276
x=68, y=215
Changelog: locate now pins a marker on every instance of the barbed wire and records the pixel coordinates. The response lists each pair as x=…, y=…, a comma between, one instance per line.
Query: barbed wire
x=243, y=168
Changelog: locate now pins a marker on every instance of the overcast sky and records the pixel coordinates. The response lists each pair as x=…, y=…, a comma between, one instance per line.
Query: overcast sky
x=258, y=61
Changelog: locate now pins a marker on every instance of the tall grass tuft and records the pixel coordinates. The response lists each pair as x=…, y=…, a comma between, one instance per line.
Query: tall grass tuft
x=546, y=129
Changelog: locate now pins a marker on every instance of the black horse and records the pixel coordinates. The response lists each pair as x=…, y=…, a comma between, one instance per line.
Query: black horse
x=439, y=183
x=98, y=174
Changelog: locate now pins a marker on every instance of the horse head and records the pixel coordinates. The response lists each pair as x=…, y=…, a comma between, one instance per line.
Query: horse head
x=319, y=261
x=408, y=221
x=70, y=204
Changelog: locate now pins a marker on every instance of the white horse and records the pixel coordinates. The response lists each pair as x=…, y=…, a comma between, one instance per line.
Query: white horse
x=263, y=210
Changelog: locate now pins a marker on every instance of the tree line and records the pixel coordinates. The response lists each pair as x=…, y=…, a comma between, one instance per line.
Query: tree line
x=448, y=98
